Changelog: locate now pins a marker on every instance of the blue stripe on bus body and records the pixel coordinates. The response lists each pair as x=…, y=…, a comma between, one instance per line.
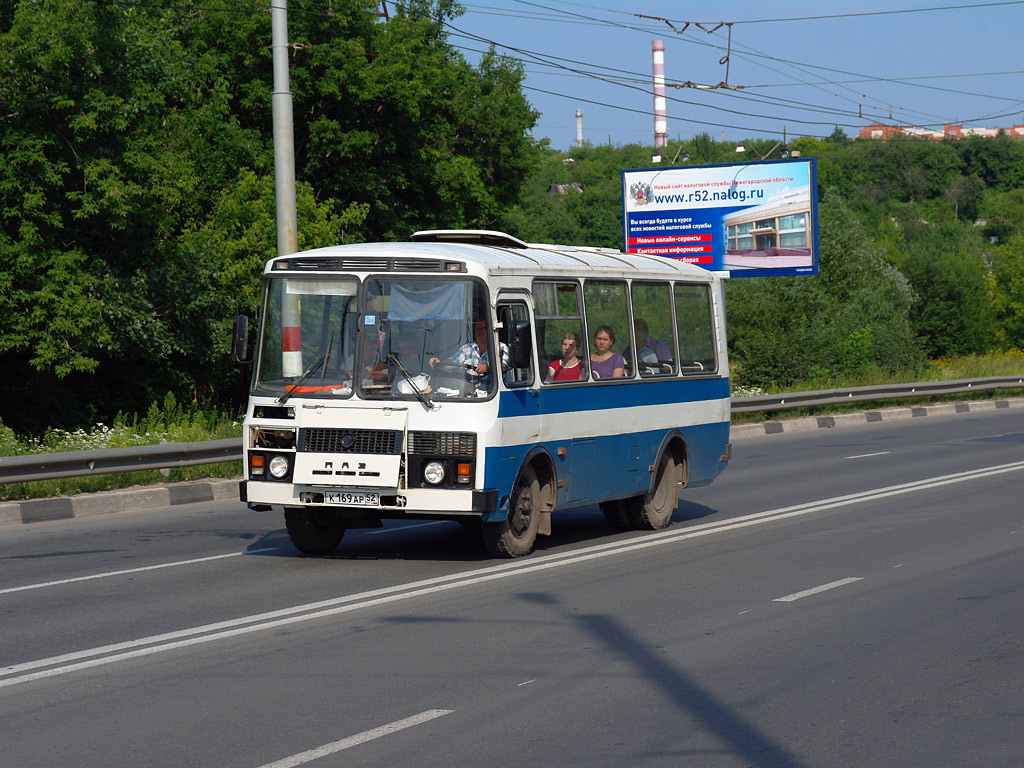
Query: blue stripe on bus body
x=588, y=397
x=597, y=469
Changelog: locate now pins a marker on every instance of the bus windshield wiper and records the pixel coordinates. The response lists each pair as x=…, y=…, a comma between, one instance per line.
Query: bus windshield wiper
x=290, y=389
x=426, y=400
x=323, y=358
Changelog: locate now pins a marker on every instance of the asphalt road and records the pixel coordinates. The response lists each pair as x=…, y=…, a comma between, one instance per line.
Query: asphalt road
x=847, y=597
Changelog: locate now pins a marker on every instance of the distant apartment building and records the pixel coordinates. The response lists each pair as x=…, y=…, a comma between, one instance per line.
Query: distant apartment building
x=886, y=132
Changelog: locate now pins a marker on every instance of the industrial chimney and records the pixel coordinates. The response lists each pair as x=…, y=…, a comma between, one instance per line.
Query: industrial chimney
x=579, y=127
x=660, y=121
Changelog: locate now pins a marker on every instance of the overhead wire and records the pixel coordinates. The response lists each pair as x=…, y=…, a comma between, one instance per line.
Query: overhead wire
x=645, y=90
x=640, y=82
x=576, y=16
x=711, y=26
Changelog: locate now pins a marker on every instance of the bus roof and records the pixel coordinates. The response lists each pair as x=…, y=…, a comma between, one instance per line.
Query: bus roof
x=492, y=252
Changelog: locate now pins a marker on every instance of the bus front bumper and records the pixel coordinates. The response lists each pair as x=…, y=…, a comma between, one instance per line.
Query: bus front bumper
x=420, y=501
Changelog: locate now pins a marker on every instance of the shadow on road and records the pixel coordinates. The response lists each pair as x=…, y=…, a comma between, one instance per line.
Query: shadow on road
x=717, y=719
x=447, y=541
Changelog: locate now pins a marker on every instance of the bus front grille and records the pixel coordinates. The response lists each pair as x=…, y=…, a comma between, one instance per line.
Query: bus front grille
x=323, y=440
x=442, y=443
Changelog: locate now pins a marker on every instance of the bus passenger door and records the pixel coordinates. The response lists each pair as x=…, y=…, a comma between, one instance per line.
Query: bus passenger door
x=519, y=409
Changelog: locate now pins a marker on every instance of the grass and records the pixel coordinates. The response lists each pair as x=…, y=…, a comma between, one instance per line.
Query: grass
x=166, y=422
x=169, y=422
x=1001, y=363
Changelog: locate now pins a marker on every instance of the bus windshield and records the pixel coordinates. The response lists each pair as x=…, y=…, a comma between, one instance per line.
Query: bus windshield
x=402, y=339
x=425, y=337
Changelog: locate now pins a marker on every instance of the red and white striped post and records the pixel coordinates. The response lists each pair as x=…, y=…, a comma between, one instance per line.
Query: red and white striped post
x=660, y=120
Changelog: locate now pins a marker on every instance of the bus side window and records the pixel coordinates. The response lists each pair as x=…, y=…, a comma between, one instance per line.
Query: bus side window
x=653, y=333
x=608, y=318
x=511, y=316
x=696, y=329
x=558, y=318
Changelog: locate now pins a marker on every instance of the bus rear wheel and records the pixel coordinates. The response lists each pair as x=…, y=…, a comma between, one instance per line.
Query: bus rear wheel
x=653, y=511
x=516, y=535
x=313, y=531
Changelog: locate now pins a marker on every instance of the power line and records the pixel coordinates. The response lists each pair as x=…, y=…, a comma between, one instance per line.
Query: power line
x=705, y=26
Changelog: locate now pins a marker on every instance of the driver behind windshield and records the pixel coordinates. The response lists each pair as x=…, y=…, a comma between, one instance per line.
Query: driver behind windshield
x=407, y=350
x=475, y=357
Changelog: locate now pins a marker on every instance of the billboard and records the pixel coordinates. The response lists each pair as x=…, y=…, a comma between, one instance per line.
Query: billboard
x=746, y=219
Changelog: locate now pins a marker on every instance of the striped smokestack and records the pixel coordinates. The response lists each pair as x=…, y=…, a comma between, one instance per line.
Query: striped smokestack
x=660, y=121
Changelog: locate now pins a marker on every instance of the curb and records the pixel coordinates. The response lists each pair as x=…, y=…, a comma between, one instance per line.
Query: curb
x=805, y=424
x=107, y=502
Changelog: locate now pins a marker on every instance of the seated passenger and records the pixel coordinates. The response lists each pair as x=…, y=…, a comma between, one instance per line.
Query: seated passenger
x=570, y=367
x=603, y=362
x=652, y=353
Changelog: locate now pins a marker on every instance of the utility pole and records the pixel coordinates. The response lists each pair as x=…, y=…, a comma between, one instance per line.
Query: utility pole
x=284, y=182
x=284, y=134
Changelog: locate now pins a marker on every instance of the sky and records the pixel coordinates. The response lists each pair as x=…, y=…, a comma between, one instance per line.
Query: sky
x=793, y=68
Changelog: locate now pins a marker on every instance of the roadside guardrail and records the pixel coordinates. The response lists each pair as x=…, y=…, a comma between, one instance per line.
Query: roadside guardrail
x=763, y=403
x=53, y=466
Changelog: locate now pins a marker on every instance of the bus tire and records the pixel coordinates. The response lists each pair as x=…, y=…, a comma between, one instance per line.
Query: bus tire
x=653, y=511
x=313, y=531
x=516, y=535
x=616, y=514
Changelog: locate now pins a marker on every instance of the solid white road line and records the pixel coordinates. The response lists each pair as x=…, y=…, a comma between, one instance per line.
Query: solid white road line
x=348, y=603
x=816, y=590
x=359, y=738
x=132, y=570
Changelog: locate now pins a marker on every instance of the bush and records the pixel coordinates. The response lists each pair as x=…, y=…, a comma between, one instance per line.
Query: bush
x=166, y=422
x=851, y=318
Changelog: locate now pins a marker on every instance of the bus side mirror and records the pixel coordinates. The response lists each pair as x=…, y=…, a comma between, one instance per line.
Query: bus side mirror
x=240, y=341
x=520, y=347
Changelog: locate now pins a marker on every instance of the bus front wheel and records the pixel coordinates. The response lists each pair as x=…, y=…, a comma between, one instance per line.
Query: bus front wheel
x=653, y=510
x=515, y=535
x=313, y=531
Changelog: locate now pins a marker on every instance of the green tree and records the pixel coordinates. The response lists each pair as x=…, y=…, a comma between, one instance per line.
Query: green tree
x=965, y=195
x=853, y=316
x=576, y=198
x=997, y=161
x=1010, y=297
x=1003, y=213
x=956, y=314
x=136, y=203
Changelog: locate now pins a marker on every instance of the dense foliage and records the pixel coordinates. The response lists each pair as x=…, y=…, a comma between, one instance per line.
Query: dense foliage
x=136, y=178
x=137, y=200
x=921, y=250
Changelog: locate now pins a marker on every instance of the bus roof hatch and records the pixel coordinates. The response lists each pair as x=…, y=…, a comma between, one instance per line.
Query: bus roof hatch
x=468, y=237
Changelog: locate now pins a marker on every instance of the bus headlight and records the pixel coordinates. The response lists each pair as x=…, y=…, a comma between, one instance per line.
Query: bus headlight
x=433, y=472
x=278, y=467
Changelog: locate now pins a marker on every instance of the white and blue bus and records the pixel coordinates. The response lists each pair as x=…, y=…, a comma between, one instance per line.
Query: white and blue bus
x=467, y=375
